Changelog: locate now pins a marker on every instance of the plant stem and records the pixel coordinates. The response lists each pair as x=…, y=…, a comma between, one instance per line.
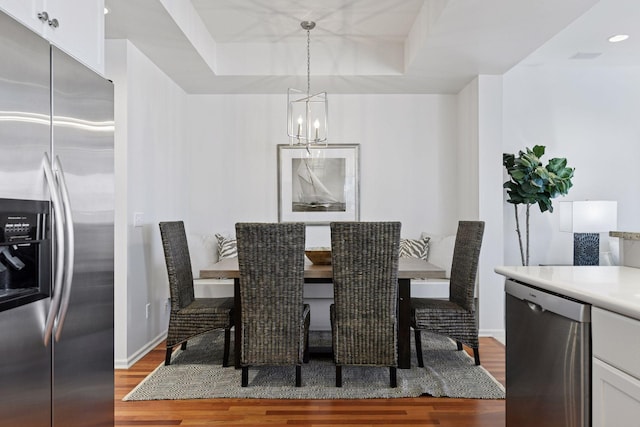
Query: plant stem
x=515, y=209
x=528, y=206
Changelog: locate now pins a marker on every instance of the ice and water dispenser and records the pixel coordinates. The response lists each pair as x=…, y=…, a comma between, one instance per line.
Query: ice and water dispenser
x=25, y=252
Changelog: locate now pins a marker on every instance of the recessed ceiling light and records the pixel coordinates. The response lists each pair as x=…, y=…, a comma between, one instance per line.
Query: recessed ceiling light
x=618, y=38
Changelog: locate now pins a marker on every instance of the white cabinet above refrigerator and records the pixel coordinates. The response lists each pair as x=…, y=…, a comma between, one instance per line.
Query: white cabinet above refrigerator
x=75, y=26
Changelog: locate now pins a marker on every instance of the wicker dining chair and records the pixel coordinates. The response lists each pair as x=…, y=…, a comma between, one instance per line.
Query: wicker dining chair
x=364, y=321
x=456, y=317
x=190, y=316
x=274, y=319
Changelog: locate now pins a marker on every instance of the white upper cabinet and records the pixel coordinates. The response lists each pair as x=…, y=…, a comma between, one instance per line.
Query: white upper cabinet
x=75, y=26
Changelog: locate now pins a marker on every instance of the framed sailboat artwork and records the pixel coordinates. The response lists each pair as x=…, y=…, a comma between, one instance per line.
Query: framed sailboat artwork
x=318, y=184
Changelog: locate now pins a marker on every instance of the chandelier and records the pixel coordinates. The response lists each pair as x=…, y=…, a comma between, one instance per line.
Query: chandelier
x=307, y=113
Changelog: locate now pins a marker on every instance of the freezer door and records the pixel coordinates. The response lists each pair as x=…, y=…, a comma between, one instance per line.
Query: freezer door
x=24, y=111
x=83, y=144
x=25, y=370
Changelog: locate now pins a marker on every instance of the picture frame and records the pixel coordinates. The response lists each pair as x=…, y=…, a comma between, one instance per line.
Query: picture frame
x=318, y=184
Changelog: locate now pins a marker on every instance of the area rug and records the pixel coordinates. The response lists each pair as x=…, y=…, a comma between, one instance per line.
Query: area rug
x=196, y=373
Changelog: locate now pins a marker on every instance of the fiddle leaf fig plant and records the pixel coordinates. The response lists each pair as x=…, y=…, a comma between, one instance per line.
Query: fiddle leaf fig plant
x=532, y=183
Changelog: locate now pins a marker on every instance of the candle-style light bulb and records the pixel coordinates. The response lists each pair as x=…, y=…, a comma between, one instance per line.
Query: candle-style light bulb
x=316, y=125
x=299, y=126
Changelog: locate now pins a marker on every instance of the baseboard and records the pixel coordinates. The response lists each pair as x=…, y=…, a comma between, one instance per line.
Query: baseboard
x=498, y=334
x=131, y=360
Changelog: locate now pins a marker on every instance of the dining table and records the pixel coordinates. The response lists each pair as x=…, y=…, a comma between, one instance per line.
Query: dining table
x=408, y=268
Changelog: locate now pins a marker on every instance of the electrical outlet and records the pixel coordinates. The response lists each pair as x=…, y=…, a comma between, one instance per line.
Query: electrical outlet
x=147, y=309
x=138, y=219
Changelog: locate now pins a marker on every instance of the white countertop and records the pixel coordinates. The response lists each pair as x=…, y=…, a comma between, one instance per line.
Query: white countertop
x=612, y=288
x=625, y=235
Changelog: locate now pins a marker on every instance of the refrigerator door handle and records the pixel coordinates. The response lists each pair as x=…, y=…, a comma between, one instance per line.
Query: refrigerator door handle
x=70, y=247
x=60, y=249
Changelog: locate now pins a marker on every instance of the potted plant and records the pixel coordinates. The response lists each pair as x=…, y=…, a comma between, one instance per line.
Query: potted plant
x=531, y=183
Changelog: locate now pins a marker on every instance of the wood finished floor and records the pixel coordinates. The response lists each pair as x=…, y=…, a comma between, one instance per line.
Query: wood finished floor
x=421, y=411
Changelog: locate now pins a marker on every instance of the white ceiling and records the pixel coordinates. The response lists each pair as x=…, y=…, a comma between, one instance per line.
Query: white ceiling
x=368, y=46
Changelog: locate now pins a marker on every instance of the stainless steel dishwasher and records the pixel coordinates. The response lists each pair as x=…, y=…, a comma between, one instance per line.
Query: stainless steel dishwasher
x=548, y=358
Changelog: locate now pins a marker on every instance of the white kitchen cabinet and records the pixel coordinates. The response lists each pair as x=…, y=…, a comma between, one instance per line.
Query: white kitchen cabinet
x=75, y=26
x=615, y=397
x=615, y=370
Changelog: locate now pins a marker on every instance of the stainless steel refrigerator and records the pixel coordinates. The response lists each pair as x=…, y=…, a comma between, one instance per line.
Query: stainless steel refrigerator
x=56, y=236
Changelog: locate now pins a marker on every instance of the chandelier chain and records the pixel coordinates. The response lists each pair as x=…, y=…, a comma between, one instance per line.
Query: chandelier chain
x=308, y=62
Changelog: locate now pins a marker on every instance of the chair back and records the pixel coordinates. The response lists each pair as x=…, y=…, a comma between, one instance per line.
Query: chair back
x=464, y=267
x=176, y=255
x=364, y=257
x=271, y=263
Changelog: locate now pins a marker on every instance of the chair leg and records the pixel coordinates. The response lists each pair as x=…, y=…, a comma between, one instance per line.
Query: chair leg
x=419, y=347
x=393, y=377
x=225, y=351
x=476, y=355
x=338, y=376
x=167, y=358
x=459, y=345
x=245, y=376
x=305, y=354
x=183, y=346
x=298, y=376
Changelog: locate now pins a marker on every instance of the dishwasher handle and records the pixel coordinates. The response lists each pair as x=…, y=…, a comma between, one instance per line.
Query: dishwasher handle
x=546, y=301
x=534, y=307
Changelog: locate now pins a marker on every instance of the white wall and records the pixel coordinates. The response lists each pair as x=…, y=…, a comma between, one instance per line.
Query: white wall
x=151, y=178
x=116, y=70
x=589, y=116
x=407, y=163
x=479, y=190
x=489, y=158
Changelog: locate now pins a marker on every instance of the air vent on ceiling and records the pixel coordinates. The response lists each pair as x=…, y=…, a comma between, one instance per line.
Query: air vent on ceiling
x=586, y=55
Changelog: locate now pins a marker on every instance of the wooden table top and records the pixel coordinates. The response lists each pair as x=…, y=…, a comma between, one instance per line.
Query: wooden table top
x=408, y=268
